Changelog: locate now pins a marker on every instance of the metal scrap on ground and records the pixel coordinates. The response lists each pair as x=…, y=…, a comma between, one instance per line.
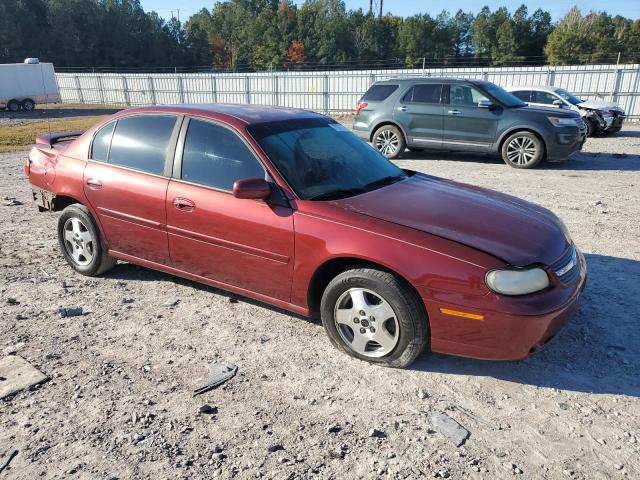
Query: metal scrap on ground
x=17, y=374
x=448, y=427
x=219, y=373
x=7, y=460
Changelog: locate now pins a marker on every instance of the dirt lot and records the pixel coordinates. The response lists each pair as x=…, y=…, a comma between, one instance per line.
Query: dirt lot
x=119, y=402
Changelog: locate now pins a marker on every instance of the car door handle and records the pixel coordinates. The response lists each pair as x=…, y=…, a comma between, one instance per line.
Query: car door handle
x=402, y=108
x=184, y=204
x=94, y=183
x=454, y=112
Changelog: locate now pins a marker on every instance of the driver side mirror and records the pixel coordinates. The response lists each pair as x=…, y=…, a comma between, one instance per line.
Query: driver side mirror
x=252, y=188
x=558, y=103
x=486, y=104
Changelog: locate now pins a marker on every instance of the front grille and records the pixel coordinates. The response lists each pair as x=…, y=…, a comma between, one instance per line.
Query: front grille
x=567, y=267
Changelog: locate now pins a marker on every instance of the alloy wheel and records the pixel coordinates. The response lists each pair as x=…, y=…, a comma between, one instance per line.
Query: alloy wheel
x=521, y=150
x=366, y=322
x=387, y=142
x=78, y=241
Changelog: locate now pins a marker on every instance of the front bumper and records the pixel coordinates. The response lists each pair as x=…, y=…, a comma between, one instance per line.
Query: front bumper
x=502, y=336
x=566, y=142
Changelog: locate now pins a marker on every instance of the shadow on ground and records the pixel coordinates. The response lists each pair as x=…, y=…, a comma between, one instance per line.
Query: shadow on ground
x=597, y=352
x=581, y=161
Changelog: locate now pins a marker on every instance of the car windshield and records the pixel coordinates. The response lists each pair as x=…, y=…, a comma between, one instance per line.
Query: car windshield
x=569, y=97
x=505, y=98
x=322, y=160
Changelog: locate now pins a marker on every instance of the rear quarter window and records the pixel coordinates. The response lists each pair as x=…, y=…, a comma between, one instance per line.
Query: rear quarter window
x=101, y=143
x=378, y=93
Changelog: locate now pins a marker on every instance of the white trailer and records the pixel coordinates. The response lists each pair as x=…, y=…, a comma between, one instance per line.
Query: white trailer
x=23, y=85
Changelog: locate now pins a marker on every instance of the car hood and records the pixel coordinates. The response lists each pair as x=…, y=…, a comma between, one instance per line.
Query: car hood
x=549, y=111
x=516, y=231
x=599, y=105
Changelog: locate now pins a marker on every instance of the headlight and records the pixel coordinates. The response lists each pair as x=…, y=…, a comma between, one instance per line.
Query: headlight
x=517, y=282
x=564, y=122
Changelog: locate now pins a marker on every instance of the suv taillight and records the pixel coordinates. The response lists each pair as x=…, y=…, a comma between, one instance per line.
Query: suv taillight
x=360, y=107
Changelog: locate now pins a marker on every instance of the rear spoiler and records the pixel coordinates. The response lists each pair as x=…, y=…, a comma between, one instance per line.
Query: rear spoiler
x=53, y=138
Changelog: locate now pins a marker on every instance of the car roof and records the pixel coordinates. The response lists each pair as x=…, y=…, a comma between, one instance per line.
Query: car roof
x=430, y=80
x=247, y=114
x=540, y=88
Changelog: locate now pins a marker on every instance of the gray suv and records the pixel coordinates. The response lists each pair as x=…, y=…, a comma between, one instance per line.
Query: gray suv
x=464, y=115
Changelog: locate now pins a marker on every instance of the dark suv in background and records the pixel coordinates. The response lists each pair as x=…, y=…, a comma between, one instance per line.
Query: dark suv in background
x=464, y=115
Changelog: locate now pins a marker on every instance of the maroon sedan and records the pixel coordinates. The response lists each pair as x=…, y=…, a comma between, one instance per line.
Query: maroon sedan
x=292, y=209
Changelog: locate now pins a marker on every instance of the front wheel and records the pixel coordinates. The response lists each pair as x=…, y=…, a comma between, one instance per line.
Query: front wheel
x=80, y=242
x=13, y=106
x=374, y=316
x=389, y=141
x=523, y=150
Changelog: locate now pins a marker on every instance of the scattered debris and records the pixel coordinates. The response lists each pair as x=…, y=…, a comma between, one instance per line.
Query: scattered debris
x=70, y=312
x=274, y=447
x=219, y=373
x=451, y=429
x=422, y=394
x=375, y=433
x=17, y=374
x=334, y=428
x=264, y=339
x=208, y=409
x=595, y=203
x=11, y=201
x=172, y=302
x=7, y=459
x=12, y=301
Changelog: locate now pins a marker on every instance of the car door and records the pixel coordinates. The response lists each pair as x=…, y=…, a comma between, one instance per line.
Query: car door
x=126, y=179
x=465, y=123
x=240, y=242
x=420, y=114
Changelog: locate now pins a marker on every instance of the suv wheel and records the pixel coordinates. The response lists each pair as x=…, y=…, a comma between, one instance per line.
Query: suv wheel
x=374, y=316
x=523, y=150
x=13, y=105
x=389, y=141
x=80, y=242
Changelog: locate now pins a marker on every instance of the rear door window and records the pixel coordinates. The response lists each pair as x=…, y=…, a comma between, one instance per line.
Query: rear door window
x=545, y=98
x=524, y=95
x=216, y=156
x=424, y=93
x=378, y=93
x=141, y=142
x=101, y=143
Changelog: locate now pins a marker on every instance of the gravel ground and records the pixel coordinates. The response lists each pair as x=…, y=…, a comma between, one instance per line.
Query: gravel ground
x=43, y=113
x=119, y=402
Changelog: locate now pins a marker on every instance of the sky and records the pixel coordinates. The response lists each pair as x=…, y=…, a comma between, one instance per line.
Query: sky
x=557, y=8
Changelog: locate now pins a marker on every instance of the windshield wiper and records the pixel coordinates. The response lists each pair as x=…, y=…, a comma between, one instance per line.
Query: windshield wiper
x=382, y=182
x=337, y=193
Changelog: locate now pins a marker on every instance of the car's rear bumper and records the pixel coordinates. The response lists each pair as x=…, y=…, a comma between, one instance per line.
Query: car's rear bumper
x=500, y=336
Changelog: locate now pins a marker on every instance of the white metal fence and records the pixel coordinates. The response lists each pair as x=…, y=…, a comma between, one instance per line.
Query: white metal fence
x=333, y=91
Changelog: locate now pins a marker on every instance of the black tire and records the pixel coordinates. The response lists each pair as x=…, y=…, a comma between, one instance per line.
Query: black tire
x=28, y=105
x=389, y=141
x=13, y=105
x=412, y=333
x=95, y=260
x=529, y=157
x=591, y=128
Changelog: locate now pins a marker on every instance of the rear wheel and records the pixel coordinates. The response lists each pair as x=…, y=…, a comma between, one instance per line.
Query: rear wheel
x=523, y=150
x=389, y=141
x=28, y=105
x=80, y=242
x=13, y=105
x=374, y=316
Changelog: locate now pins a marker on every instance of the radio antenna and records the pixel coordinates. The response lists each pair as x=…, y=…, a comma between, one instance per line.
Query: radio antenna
x=46, y=98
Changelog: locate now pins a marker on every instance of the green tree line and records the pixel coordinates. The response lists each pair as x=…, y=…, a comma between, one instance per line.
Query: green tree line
x=263, y=34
